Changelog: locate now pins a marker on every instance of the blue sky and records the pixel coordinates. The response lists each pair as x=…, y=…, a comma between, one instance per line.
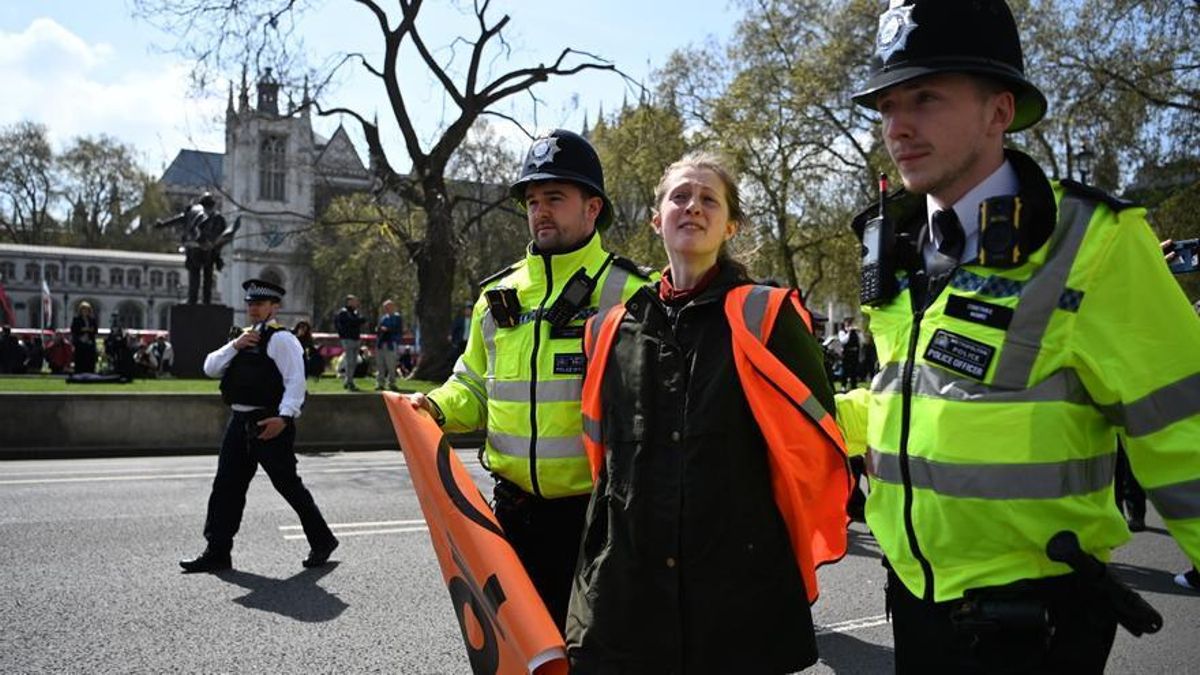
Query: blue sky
x=87, y=67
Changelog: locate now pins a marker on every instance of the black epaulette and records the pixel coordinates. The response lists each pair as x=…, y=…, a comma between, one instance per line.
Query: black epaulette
x=499, y=275
x=628, y=265
x=1096, y=194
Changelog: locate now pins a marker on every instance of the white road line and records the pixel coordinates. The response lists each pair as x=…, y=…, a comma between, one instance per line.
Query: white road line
x=77, y=471
x=853, y=624
x=355, y=533
x=157, y=476
x=376, y=523
x=97, y=479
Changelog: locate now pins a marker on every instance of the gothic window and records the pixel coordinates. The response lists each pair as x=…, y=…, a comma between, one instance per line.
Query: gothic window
x=93, y=276
x=8, y=271
x=156, y=278
x=51, y=272
x=116, y=277
x=33, y=272
x=134, y=277
x=75, y=275
x=272, y=168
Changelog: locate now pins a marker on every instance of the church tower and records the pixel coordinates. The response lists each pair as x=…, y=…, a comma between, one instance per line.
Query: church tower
x=268, y=181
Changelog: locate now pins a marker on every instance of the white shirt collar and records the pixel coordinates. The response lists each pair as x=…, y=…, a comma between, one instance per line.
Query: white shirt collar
x=1002, y=182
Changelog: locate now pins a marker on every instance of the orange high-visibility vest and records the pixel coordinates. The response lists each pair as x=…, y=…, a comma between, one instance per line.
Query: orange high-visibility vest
x=810, y=474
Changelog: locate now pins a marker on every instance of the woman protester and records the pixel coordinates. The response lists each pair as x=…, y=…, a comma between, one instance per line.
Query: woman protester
x=721, y=479
x=84, y=333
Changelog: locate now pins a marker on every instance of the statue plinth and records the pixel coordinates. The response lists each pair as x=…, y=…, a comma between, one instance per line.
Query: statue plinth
x=197, y=330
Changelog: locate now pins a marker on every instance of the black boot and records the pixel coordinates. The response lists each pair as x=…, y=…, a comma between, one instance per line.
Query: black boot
x=209, y=561
x=320, y=554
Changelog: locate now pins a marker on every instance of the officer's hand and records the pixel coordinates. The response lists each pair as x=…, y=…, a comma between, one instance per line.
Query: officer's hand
x=420, y=402
x=1167, y=252
x=247, y=339
x=271, y=427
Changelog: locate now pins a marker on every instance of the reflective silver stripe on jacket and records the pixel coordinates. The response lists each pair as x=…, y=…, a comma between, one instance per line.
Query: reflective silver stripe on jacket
x=1040, y=297
x=591, y=429
x=552, y=447
x=612, y=290
x=1180, y=501
x=1159, y=409
x=548, y=391
x=487, y=325
x=755, y=309
x=935, y=382
x=754, y=312
x=469, y=379
x=1046, y=480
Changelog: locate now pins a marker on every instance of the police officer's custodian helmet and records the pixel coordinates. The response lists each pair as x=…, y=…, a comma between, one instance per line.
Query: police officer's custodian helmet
x=923, y=37
x=566, y=156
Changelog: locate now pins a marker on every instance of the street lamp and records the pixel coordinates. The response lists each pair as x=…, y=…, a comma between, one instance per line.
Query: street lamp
x=1086, y=159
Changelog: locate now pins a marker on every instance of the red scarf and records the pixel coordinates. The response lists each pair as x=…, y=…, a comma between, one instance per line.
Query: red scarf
x=671, y=295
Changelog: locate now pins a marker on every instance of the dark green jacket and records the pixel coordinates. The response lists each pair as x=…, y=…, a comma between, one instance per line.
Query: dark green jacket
x=686, y=565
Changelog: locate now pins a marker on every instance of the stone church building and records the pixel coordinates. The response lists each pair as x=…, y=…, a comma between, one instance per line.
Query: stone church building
x=275, y=174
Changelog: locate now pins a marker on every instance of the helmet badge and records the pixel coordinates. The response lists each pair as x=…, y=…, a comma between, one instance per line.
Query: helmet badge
x=543, y=151
x=895, y=25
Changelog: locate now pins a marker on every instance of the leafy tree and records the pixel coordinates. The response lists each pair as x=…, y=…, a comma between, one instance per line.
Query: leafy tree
x=635, y=149
x=28, y=181
x=221, y=36
x=355, y=246
x=779, y=109
x=102, y=185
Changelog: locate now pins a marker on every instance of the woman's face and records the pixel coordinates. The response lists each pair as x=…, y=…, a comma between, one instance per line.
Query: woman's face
x=693, y=218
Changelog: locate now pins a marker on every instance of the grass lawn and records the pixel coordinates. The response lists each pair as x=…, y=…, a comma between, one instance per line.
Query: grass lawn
x=55, y=384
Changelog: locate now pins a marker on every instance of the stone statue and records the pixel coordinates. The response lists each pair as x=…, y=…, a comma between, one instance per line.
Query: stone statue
x=204, y=233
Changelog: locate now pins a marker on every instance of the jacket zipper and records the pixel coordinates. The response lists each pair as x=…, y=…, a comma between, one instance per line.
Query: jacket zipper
x=533, y=378
x=905, y=470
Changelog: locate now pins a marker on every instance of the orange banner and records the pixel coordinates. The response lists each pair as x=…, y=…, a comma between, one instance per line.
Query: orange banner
x=505, y=625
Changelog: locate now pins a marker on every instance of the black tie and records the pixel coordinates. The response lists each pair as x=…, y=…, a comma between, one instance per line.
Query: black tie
x=949, y=231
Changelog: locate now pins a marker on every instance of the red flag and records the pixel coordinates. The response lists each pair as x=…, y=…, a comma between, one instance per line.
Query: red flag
x=504, y=623
x=6, y=309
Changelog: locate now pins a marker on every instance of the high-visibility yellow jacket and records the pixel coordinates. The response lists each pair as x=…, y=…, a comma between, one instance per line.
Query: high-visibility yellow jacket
x=993, y=422
x=524, y=384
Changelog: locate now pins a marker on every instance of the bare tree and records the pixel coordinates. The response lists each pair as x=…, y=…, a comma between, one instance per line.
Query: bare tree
x=224, y=35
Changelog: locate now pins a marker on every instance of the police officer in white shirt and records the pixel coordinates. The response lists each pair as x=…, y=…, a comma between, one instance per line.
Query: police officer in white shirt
x=262, y=381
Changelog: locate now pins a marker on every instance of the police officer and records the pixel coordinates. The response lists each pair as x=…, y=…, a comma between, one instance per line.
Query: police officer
x=262, y=381
x=1021, y=323
x=521, y=374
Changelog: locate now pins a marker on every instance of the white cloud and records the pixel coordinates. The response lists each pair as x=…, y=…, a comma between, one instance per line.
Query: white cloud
x=52, y=76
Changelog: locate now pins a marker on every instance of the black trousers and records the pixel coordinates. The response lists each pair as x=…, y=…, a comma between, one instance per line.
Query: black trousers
x=545, y=534
x=240, y=456
x=1076, y=636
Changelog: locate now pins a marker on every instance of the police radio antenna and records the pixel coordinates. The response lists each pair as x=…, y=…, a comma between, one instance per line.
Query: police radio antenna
x=883, y=188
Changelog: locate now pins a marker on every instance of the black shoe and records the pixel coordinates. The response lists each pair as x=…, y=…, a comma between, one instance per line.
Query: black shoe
x=209, y=561
x=351, y=387
x=1137, y=525
x=320, y=554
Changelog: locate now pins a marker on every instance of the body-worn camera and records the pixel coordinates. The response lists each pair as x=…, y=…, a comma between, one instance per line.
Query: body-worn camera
x=504, y=306
x=573, y=297
x=1000, y=232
